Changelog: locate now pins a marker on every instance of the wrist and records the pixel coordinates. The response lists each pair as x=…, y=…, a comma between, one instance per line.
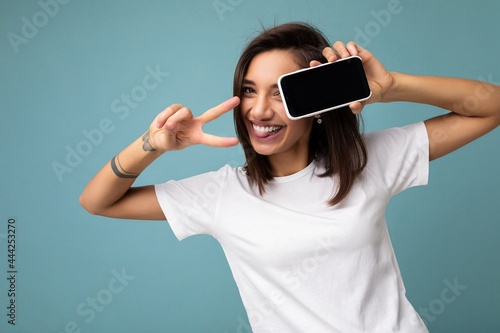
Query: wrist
x=134, y=159
x=393, y=93
x=146, y=144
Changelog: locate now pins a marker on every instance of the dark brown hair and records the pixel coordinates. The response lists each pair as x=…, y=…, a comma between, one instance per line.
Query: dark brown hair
x=336, y=143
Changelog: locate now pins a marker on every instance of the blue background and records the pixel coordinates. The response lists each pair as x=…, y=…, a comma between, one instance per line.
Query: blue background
x=66, y=75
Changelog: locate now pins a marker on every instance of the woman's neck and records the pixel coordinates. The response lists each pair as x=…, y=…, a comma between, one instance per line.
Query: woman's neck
x=286, y=164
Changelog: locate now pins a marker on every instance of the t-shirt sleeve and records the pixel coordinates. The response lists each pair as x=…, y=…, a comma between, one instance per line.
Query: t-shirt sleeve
x=399, y=157
x=190, y=205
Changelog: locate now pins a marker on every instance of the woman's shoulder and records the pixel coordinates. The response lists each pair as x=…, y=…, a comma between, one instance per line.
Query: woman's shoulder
x=399, y=156
x=395, y=137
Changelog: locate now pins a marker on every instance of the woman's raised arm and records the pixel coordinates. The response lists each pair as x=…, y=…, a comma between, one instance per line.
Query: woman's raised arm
x=474, y=105
x=110, y=192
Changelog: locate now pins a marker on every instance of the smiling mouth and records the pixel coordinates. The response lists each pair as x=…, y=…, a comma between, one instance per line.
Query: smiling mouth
x=266, y=131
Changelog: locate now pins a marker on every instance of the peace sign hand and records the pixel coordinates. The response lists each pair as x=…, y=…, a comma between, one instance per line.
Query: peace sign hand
x=176, y=128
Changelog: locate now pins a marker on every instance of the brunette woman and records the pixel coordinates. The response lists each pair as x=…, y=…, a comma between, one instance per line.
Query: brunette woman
x=313, y=191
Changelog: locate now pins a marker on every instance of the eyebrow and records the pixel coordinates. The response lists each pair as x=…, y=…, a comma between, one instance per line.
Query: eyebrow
x=252, y=83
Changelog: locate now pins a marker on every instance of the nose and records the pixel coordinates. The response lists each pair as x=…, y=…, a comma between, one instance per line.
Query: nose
x=262, y=109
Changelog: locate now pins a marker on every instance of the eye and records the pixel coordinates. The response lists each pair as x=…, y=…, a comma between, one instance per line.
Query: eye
x=248, y=90
x=277, y=94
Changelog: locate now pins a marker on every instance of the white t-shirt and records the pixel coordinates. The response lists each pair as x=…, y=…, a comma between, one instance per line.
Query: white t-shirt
x=300, y=264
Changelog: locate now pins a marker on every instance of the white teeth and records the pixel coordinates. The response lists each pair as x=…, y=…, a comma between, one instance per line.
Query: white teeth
x=266, y=129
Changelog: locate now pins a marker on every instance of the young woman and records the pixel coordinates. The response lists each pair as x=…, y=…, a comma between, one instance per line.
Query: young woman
x=313, y=192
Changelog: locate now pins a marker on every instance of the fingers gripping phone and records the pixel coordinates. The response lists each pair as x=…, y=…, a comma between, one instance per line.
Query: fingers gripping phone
x=325, y=87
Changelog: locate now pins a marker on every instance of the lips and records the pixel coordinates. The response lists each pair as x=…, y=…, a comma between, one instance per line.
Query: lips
x=266, y=131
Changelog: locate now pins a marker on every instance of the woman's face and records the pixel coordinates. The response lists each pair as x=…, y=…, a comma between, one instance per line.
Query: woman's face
x=271, y=132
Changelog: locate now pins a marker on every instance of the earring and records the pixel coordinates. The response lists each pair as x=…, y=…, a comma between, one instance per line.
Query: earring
x=319, y=120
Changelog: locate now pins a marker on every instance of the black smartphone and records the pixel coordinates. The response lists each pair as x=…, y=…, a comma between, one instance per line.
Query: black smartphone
x=326, y=87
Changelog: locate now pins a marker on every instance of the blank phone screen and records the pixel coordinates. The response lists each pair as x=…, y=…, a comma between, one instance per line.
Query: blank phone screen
x=324, y=87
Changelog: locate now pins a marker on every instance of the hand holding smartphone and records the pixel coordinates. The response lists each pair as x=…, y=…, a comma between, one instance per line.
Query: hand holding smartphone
x=326, y=87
